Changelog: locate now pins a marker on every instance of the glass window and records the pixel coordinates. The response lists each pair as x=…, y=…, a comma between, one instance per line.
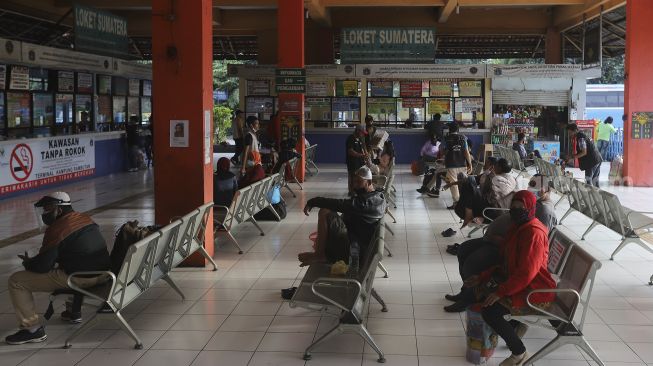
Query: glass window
x=63, y=113
x=39, y=79
x=104, y=113
x=119, y=110
x=443, y=106
x=317, y=110
x=104, y=84
x=43, y=110
x=146, y=110
x=83, y=110
x=134, y=108
x=18, y=112
x=414, y=106
x=345, y=110
x=382, y=109
x=261, y=107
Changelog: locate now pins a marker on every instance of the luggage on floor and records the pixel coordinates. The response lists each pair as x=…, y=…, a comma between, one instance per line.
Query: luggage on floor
x=481, y=338
x=616, y=170
x=417, y=167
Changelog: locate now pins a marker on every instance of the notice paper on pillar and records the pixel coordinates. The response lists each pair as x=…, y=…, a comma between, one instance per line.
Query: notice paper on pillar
x=208, y=146
x=179, y=133
x=642, y=124
x=34, y=163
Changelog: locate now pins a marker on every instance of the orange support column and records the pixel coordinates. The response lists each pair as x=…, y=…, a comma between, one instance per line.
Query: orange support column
x=182, y=56
x=290, y=54
x=638, y=152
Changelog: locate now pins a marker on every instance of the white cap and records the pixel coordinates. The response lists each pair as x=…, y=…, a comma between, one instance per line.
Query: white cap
x=364, y=172
x=56, y=198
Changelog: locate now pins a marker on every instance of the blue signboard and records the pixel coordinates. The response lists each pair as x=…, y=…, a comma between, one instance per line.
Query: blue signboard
x=346, y=104
x=386, y=45
x=381, y=88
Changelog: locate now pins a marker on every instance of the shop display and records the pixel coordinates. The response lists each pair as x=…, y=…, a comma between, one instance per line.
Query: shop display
x=18, y=111
x=510, y=120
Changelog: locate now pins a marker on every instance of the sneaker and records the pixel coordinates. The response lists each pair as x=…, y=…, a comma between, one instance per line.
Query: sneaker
x=25, y=336
x=421, y=190
x=454, y=298
x=457, y=307
x=515, y=360
x=433, y=193
x=72, y=317
x=521, y=330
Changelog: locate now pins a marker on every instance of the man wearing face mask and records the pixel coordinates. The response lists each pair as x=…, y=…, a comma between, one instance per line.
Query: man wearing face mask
x=336, y=234
x=72, y=242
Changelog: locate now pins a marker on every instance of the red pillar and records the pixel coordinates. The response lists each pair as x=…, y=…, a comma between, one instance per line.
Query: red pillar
x=638, y=153
x=182, y=41
x=290, y=54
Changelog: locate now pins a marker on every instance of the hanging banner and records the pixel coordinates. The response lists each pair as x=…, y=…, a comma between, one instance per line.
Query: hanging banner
x=347, y=88
x=533, y=71
x=100, y=32
x=317, y=88
x=132, y=69
x=269, y=71
x=34, y=163
x=470, y=88
x=439, y=88
x=381, y=88
x=3, y=76
x=592, y=46
x=432, y=71
x=410, y=88
x=258, y=87
x=19, y=78
x=412, y=103
x=387, y=45
x=48, y=57
x=381, y=106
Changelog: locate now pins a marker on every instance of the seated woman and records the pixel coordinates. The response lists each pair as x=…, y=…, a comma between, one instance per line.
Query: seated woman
x=503, y=289
x=504, y=185
x=430, y=150
x=225, y=184
x=474, y=194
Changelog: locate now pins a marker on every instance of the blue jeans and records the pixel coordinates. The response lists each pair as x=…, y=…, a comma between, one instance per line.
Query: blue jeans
x=603, y=145
x=592, y=175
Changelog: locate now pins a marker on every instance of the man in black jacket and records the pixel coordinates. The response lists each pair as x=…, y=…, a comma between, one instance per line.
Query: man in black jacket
x=72, y=242
x=589, y=157
x=354, y=229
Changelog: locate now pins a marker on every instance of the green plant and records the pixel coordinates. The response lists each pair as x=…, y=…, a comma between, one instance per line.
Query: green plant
x=221, y=122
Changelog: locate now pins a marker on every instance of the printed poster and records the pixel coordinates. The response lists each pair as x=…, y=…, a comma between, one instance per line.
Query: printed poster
x=29, y=164
x=66, y=81
x=470, y=88
x=438, y=88
x=84, y=83
x=347, y=88
x=641, y=125
x=317, y=88
x=381, y=88
x=410, y=88
x=442, y=106
x=179, y=130
x=19, y=78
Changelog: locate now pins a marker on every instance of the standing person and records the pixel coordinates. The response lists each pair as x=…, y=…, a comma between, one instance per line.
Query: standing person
x=589, y=158
x=434, y=128
x=72, y=242
x=251, y=155
x=238, y=131
x=133, y=144
x=605, y=132
x=457, y=159
x=274, y=130
x=356, y=154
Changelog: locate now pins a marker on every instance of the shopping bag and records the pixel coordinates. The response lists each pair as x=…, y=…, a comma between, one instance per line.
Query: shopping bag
x=481, y=338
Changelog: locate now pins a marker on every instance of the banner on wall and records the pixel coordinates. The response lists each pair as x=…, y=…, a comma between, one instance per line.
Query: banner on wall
x=533, y=71
x=432, y=71
x=31, y=164
x=48, y=57
x=387, y=44
x=439, y=88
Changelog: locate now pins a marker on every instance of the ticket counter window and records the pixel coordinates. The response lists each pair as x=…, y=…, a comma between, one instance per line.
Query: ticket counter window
x=134, y=109
x=317, y=111
x=104, y=113
x=414, y=107
x=119, y=112
x=63, y=114
x=146, y=110
x=383, y=110
x=83, y=113
x=345, y=111
x=18, y=111
x=42, y=114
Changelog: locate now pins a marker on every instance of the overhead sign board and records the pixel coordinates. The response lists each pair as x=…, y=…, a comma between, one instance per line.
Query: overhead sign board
x=290, y=80
x=433, y=71
x=100, y=32
x=533, y=71
x=383, y=45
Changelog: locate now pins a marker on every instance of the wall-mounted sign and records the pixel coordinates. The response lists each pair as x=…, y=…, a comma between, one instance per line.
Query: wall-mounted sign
x=381, y=106
x=317, y=88
x=19, y=78
x=440, y=88
x=470, y=88
x=412, y=103
x=49, y=57
x=410, y=88
x=533, y=71
x=642, y=125
x=66, y=81
x=258, y=87
x=422, y=71
x=3, y=76
x=100, y=32
x=347, y=88
x=134, y=87
x=10, y=50
x=84, y=83
x=387, y=45
x=441, y=106
x=104, y=84
x=291, y=81
x=381, y=88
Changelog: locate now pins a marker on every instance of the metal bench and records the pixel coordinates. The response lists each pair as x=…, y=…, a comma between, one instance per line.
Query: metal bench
x=346, y=297
x=576, y=280
x=282, y=181
x=634, y=226
x=310, y=160
x=576, y=201
x=483, y=226
x=293, y=167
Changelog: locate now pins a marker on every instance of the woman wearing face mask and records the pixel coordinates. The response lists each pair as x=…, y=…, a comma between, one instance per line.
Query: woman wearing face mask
x=525, y=254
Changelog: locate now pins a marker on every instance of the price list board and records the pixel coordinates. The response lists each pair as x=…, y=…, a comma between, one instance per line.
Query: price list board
x=642, y=125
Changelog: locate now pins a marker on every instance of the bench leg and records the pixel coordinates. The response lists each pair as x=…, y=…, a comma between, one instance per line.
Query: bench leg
x=291, y=191
x=174, y=286
x=387, y=227
x=569, y=211
x=556, y=343
x=328, y=335
x=274, y=212
x=562, y=197
x=592, y=226
x=385, y=270
x=378, y=298
x=208, y=258
x=394, y=220
x=125, y=326
x=368, y=338
x=582, y=343
x=560, y=341
x=317, y=170
x=81, y=330
x=621, y=246
x=301, y=188
x=253, y=221
x=233, y=240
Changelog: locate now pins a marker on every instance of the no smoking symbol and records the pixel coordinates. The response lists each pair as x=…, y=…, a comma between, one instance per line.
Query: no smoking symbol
x=21, y=162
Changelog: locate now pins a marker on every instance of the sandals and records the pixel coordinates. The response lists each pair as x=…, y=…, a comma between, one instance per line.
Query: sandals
x=448, y=233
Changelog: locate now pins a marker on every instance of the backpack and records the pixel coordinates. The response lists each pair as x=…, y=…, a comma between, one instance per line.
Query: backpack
x=128, y=234
x=266, y=215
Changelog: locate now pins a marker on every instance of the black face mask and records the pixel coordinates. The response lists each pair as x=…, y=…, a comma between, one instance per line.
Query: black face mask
x=360, y=191
x=519, y=215
x=49, y=217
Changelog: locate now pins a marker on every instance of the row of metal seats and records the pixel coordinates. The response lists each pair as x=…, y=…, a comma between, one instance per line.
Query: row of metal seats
x=147, y=261
x=603, y=208
x=513, y=157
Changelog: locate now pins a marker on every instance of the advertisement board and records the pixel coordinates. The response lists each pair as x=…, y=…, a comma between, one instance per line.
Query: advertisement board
x=31, y=164
x=440, y=88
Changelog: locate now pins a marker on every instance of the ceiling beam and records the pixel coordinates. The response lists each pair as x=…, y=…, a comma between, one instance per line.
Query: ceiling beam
x=566, y=17
x=318, y=12
x=519, y=2
x=446, y=11
x=382, y=3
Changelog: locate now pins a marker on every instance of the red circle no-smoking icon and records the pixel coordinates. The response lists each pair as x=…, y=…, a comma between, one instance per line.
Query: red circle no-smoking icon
x=21, y=162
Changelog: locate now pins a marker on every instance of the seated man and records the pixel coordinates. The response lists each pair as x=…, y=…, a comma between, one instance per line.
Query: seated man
x=336, y=233
x=430, y=150
x=72, y=243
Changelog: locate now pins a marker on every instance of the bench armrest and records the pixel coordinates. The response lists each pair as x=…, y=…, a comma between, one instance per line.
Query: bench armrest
x=649, y=224
x=554, y=291
x=485, y=210
x=112, y=278
x=330, y=281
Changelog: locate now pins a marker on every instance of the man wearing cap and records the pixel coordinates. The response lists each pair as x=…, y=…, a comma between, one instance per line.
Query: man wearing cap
x=337, y=235
x=356, y=153
x=72, y=242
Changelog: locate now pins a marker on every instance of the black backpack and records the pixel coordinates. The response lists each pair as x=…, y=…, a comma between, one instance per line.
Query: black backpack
x=128, y=234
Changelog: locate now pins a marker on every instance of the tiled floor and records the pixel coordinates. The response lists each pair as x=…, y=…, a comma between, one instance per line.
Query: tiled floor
x=235, y=316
